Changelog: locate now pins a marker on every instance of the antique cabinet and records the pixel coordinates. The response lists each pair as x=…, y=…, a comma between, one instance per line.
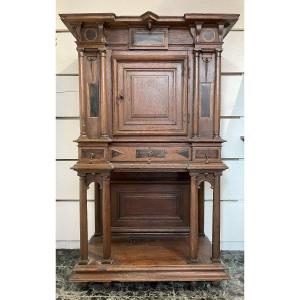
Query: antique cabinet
x=149, y=139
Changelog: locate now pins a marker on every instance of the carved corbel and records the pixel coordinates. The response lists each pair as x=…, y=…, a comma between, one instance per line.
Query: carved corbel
x=101, y=33
x=221, y=32
x=75, y=28
x=198, y=27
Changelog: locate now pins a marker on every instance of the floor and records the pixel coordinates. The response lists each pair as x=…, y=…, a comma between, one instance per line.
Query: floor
x=230, y=290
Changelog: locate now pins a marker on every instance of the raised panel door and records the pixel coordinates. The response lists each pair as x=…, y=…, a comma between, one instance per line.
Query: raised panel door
x=150, y=94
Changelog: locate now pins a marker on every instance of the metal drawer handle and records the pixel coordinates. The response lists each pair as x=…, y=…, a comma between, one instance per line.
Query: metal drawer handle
x=92, y=155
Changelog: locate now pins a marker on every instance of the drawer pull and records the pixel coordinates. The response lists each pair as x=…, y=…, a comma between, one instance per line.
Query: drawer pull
x=92, y=155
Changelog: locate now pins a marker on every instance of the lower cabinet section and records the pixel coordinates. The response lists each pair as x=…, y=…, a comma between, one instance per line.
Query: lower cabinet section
x=150, y=207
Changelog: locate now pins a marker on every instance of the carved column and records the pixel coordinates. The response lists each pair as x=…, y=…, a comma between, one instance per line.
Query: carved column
x=201, y=208
x=217, y=102
x=194, y=242
x=83, y=220
x=106, y=222
x=81, y=94
x=216, y=220
x=196, y=94
x=104, y=111
x=98, y=210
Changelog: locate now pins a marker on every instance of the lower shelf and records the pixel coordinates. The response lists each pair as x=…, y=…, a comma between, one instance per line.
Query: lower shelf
x=149, y=259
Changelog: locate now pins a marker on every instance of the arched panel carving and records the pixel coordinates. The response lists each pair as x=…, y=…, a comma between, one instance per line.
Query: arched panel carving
x=209, y=177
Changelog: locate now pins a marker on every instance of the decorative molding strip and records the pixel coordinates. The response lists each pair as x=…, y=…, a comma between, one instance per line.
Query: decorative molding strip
x=77, y=118
x=222, y=73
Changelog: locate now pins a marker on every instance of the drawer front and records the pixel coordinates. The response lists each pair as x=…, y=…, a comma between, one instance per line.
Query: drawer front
x=207, y=154
x=92, y=154
x=149, y=154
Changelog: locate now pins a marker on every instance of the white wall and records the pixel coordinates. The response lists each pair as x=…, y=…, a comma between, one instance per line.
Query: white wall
x=67, y=112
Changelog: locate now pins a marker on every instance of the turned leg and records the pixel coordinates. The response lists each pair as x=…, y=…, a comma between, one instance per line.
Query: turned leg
x=201, y=209
x=194, y=220
x=106, y=226
x=216, y=221
x=98, y=209
x=83, y=220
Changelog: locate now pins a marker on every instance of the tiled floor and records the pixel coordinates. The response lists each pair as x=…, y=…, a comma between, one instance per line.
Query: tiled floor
x=230, y=290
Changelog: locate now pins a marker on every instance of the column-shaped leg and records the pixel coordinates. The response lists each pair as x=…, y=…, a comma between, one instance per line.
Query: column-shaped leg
x=106, y=226
x=98, y=210
x=83, y=221
x=201, y=209
x=194, y=220
x=216, y=221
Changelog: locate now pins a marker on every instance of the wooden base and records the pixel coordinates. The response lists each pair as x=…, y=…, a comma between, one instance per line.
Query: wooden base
x=149, y=259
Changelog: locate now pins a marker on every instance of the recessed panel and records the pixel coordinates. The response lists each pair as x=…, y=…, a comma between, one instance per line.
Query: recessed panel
x=94, y=99
x=148, y=39
x=152, y=206
x=150, y=95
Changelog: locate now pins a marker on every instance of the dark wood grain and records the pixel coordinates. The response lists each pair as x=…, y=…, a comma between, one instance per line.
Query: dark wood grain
x=150, y=92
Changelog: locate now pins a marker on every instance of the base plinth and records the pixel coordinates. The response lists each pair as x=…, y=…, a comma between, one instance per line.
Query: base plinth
x=149, y=259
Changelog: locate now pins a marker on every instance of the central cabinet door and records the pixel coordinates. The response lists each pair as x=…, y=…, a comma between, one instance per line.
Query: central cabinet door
x=150, y=93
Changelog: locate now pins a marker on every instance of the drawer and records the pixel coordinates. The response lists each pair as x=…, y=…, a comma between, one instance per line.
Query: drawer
x=92, y=154
x=207, y=154
x=149, y=153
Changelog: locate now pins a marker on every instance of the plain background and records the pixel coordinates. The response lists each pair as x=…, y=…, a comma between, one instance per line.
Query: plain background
x=232, y=118
x=27, y=212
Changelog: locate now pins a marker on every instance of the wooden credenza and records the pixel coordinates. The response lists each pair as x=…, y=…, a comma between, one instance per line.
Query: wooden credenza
x=149, y=139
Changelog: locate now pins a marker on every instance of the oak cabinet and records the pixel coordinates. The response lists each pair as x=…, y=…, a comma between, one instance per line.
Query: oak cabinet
x=149, y=139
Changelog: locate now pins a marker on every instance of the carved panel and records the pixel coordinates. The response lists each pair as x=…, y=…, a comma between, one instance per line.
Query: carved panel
x=149, y=96
x=155, y=206
x=209, y=177
x=142, y=153
x=206, y=153
x=92, y=153
x=151, y=153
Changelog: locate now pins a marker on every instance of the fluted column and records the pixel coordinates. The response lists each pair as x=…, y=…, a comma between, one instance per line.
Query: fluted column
x=217, y=102
x=81, y=94
x=104, y=111
x=196, y=94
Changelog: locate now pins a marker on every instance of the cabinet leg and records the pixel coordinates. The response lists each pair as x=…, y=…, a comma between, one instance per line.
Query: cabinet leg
x=194, y=220
x=98, y=209
x=83, y=221
x=201, y=209
x=106, y=222
x=216, y=221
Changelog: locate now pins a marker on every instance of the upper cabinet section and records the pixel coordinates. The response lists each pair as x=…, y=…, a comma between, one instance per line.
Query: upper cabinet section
x=149, y=31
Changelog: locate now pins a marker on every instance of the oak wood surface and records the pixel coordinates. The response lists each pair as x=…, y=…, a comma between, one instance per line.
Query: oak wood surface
x=149, y=138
